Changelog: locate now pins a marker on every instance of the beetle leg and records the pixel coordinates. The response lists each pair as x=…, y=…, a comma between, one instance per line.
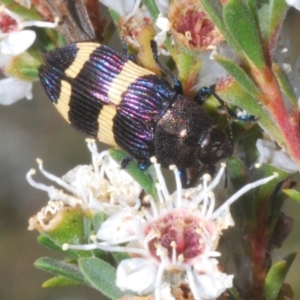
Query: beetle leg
x=130, y=56
x=203, y=94
x=144, y=164
x=183, y=178
x=177, y=83
x=125, y=162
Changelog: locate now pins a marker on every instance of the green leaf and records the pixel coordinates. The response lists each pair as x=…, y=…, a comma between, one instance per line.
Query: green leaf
x=29, y=14
x=119, y=256
x=252, y=5
x=58, y=267
x=266, y=190
x=246, y=33
x=142, y=177
x=46, y=241
x=239, y=75
x=277, y=12
x=25, y=66
x=285, y=85
x=101, y=276
x=293, y=194
x=73, y=228
x=214, y=9
x=114, y=15
x=48, y=39
x=152, y=8
x=59, y=281
x=98, y=219
x=236, y=172
x=232, y=93
x=276, y=276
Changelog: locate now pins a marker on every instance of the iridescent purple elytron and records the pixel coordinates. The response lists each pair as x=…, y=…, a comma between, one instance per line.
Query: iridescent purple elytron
x=108, y=97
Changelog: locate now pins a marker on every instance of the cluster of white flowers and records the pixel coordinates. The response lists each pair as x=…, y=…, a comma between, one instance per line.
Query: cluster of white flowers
x=100, y=187
x=14, y=40
x=172, y=240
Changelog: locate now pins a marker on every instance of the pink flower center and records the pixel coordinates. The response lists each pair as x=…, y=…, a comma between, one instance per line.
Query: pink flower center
x=198, y=26
x=183, y=230
x=7, y=23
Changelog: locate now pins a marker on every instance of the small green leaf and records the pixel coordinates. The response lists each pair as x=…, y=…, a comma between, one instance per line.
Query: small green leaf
x=101, y=276
x=98, y=219
x=252, y=5
x=48, y=39
x=266, y=190
x=239, y=75
x=29, y=14
x=276, y=15
x=46, y=241
x=293, y=194
x=152, y=8
x=71, y=229
x=25, y=66
x=246, y=33
x=236, y=172
x=114, y=15
x=142, y=177
x=276, y=276
x=59, y=281
x=58, y=267
x=119, y=256
x=214, y=9
x=285, y=85
x=232, y=93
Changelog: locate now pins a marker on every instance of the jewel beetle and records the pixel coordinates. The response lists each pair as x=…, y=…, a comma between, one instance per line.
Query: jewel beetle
x=107, y=96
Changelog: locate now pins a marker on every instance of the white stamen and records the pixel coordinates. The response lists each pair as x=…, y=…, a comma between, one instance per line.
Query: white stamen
x=242, y=191
x=158, y=281
x=161, y=180
x=178, y=186
x=55, y=178
x=206, y=178
x=33, y=183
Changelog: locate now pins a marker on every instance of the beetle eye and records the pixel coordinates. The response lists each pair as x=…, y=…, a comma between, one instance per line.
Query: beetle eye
x=214, y=147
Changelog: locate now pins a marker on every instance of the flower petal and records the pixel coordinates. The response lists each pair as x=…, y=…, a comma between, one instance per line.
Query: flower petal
x=137, y=275
x=294, y=3
x=4, y=60
x=118, y=226
x=269, y=154
x=14, y=89
x=122, y=7
x=211, y=283
x=17, y=42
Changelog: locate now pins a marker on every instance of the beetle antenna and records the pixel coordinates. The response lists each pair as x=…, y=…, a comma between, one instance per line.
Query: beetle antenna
x=177, y=83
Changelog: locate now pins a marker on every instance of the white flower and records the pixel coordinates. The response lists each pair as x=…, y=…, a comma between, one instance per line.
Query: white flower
x=211, y=71
x=270, y=154
x=164, y=25
x=13, y=89
x=14, y=41
x=174, y=240
x=128, y=8
x=163, y=6
x=102, y=187
x=125, y=8
x=294, y=3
